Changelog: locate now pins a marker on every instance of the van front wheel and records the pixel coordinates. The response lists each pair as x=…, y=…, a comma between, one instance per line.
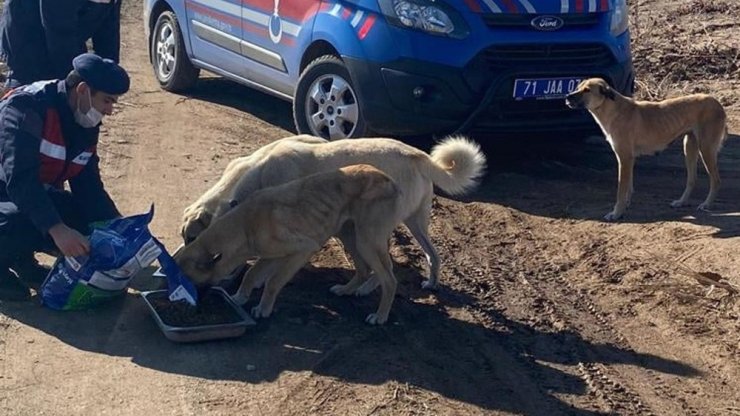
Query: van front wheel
x=173, y=69
x=326, y=102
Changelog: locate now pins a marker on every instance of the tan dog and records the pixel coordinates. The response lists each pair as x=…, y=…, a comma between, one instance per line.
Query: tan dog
x=454, y=165
x=199, y=214
x=635, y=128
x=285, y=225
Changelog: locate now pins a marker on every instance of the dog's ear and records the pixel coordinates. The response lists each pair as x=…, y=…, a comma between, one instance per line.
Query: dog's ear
x=193, y=228
x=205, y=219
x=607, y=92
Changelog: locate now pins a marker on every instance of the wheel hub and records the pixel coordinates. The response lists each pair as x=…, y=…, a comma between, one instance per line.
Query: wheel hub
x=331, y=108
x=165, y=51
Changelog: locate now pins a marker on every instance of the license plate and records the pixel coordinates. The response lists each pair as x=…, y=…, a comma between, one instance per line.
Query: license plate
x=544, y=88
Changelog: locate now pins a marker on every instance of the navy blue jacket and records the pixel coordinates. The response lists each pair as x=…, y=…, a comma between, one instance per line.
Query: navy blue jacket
x=22, y=118
x=41, y=37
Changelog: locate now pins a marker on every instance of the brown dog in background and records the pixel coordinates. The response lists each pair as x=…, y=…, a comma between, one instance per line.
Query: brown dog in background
x=635, y=128
x=286, y=224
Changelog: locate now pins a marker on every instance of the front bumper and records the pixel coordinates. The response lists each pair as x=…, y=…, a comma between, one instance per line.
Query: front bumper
x=408, y=97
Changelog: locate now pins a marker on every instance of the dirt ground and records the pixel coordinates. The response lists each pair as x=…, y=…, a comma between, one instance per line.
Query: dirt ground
x=543, y=308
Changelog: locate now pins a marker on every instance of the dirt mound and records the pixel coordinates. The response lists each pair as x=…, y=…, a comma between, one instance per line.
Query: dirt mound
x=700, y=7
x=682, y=62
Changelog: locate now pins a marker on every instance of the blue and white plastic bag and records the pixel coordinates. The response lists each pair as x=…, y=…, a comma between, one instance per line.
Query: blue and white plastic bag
x=119, y=249
x=178, y=286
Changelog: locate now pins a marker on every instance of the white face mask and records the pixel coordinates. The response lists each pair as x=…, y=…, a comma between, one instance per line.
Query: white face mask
x=92, y=118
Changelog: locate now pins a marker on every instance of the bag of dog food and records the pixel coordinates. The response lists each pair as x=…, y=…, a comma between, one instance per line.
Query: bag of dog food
x=178, y=285
x=119, y=249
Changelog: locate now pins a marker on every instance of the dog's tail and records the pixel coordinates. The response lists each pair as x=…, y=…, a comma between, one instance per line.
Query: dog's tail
x=458, y=165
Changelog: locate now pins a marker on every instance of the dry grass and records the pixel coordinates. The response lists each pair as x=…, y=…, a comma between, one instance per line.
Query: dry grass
x=678, y=52
x=706, y=6
x=710, y=280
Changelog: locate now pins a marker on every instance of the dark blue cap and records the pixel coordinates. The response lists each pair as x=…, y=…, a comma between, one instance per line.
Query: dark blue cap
x=101, y=74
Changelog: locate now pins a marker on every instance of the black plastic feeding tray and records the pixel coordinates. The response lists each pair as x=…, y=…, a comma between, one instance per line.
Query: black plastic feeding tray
x=215, y=317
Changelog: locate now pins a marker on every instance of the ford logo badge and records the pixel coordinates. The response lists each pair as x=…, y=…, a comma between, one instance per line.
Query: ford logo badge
x=547, y=23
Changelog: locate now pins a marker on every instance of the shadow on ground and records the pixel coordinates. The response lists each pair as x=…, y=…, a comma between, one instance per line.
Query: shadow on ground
x=248, y=100
x=578, y=179
x=505, y=369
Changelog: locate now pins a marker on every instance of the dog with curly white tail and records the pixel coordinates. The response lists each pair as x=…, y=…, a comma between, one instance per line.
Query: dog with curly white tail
x=454, y=165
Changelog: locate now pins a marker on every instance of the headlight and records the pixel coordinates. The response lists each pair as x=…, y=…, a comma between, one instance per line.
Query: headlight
x=430, y=16
x=620, y=17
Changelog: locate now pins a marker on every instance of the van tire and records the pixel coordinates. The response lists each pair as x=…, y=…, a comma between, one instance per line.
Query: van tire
x=337, y=117
x=170, y=61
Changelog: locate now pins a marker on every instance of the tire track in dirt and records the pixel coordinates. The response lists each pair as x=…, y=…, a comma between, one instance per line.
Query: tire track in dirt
x=665, y=311
x=433, y=358
x=489, y=284
x=607, y=382
x=567, y=309
x=555, y=306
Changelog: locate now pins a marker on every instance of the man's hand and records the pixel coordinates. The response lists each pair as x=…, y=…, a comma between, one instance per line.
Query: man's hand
x=70, y=242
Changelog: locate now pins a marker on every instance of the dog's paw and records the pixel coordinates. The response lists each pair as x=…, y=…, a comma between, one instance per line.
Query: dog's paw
x=612, y=216
x=375, y=319
x=678, y=203
x=704, y=206
x=367, y=288
x=260, y=311
x=339, y=290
